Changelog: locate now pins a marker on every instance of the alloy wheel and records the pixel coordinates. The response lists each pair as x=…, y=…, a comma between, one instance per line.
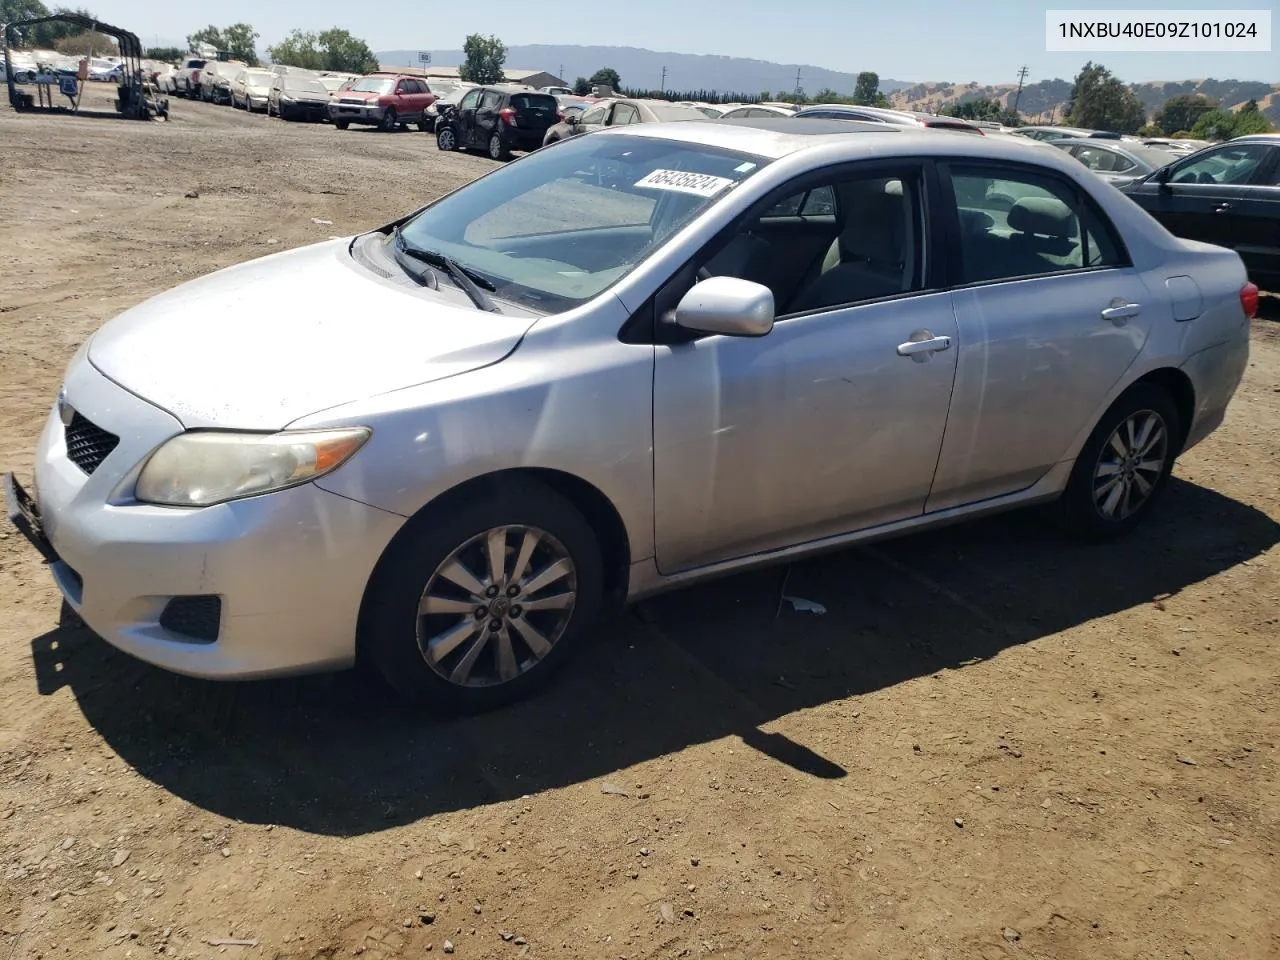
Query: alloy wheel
x=445, y=139
x=495, y=607
x=1130, y=465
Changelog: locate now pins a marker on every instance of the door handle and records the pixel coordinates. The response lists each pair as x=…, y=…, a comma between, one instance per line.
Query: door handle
x=1222, y=208
x=1119, y=311
x=922, y=345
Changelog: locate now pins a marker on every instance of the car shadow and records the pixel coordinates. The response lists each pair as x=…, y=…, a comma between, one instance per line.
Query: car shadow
x=337, y=755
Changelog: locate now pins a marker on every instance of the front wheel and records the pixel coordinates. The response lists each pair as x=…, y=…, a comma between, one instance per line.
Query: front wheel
x=389, y=121
x=476, y=605
x=342, y=124
x=497, y=149
x=424, y=125
x=1124, y=465
x=446, y=139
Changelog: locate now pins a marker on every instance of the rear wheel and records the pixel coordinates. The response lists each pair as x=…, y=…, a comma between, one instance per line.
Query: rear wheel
x=477, y=604
x=390, y=121
x=446, y=139
x=497, y=149
x=1124, y=466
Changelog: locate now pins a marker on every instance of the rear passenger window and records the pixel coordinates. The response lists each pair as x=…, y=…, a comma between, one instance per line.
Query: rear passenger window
x=1024, y=225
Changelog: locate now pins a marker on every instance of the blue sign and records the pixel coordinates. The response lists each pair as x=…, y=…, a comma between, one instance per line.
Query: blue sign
x=69, y=86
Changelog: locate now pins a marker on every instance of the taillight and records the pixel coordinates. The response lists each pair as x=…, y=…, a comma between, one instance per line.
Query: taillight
x=1249, y=300
x=508, y=115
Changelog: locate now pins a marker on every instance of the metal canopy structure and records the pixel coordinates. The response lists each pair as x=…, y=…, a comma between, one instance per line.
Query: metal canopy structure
x=132, y=101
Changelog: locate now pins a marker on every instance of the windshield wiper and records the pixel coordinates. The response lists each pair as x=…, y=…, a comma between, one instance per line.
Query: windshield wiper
x=468, y=280
x=420, y=272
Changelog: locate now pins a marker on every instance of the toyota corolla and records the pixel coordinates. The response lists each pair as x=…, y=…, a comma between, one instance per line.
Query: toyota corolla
x=621, y=364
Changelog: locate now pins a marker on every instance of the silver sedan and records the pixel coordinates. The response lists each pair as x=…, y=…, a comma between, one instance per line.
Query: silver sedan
x=627, y=363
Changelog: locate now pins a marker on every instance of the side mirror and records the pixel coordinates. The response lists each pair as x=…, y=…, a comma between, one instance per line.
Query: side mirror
x=728, y=306
x=1162, y=176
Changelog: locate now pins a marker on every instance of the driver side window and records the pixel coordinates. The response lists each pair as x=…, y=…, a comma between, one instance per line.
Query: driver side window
x=854, y=238
x=1229, y=164
x=469, y=101
x=624, y=113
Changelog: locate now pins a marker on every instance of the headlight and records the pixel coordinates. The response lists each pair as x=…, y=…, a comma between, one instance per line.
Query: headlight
x=207, y=467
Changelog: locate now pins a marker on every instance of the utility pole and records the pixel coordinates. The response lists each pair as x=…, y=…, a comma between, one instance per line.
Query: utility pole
x=561, y=73
x=1022, y=75
x=663, y=85
x=797, y=91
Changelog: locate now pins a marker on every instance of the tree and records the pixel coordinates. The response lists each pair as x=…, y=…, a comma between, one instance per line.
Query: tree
x=606, y=77
x=299, y=49
x=1100, y=101
x=1249, y=120
x=238, y=40
x=582, y=86
x=333, y=49
x=89, y=43
x=981, y=108
x=343, y=53
x=485, y=57
x=826, y=95
x=164, y=54
x=866, y=90
x=12, y=11
x=1182, y=112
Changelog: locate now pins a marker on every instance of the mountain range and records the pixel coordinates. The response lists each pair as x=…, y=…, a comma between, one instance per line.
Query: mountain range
x=1045, y=100
x=642, y=69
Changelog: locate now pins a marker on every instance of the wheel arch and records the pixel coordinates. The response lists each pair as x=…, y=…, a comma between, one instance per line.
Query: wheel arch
x=598, y=510
x=1180, y=389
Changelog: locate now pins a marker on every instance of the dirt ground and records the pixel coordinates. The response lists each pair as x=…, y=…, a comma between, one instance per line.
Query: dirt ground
x=996, y=743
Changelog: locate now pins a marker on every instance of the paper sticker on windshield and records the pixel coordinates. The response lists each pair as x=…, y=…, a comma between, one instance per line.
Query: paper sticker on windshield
x=682, y=181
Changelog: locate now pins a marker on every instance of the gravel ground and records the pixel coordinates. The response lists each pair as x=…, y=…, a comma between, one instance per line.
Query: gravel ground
x=996, y=743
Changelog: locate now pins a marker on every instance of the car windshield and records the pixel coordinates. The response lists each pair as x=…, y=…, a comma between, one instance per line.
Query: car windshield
x=304, y=85
x=332, y=83
x=373, y=85
x=258, y=78
x=561, y=226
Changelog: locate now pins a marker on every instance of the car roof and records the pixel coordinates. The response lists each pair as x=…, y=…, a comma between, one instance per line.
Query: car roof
x=777, y=137
x=1257, y=138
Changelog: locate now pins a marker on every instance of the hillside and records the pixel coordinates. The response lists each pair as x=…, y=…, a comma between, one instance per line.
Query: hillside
x=1047, y=99
x=643, y=68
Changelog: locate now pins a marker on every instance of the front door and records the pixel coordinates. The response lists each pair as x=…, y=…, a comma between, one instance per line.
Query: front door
x=467, y=118
x=1050, y=316
x=486, y=118
x=833, y=421
x=1199, y=201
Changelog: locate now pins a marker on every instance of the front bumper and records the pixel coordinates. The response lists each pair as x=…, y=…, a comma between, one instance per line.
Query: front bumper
x=288, y=569
x=354, y=113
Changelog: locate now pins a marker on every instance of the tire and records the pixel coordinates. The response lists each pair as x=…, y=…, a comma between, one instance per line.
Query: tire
x=393, y=634
x=497, y=149
x=447, y=138
x=1111, y=490
x=390, y=121
x=341, y=124
x=424, y=124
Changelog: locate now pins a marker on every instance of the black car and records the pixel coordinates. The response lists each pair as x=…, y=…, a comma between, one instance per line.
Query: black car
x=1227, y=195
x=498, y=119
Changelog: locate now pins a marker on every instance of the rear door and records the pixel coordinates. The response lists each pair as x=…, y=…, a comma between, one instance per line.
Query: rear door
x=486, y=117
x=534, y=113
x=1258, y=237
x=1050, y=314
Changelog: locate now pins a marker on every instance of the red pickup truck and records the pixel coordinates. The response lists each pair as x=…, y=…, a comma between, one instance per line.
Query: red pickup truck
x=382, y=100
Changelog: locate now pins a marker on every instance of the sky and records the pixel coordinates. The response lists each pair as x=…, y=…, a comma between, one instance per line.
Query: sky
x=914, y=40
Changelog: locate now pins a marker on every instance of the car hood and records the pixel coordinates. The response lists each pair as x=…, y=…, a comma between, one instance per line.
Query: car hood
x=365, y=96
x=257, y=346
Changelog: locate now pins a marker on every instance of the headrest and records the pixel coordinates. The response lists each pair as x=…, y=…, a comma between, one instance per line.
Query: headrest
x=893, y=188
x=1043, y=216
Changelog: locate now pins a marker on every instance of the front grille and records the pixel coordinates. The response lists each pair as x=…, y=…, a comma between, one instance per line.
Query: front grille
x=353, y=100
x=193, y=618
x=88, y=444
